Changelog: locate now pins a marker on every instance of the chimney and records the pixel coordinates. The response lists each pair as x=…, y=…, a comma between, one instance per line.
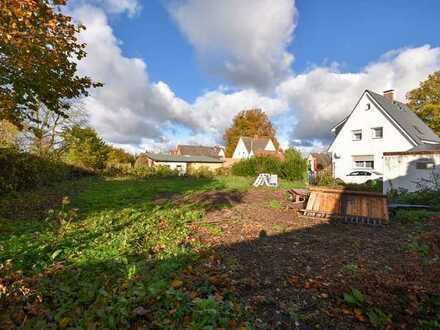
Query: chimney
x=389, y=95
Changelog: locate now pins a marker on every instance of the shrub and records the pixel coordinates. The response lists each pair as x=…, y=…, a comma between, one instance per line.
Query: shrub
x=149, y=171
x=412, y=215
x=223, y=171
x=428, y=193
x=293, y=167
x=20, y=170
x=202, y=172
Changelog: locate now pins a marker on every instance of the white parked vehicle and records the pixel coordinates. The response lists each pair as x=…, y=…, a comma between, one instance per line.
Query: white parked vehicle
x=362, y=176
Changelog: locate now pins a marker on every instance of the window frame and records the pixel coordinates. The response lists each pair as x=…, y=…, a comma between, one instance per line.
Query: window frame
x=374, y=130
x=425, y=164
x=364, y=165
x=356, y=132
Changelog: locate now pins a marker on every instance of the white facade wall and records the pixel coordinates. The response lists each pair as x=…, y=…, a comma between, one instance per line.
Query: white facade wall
x=240, y=151
x=401, y=172
x=344, y=148
x=270, y=146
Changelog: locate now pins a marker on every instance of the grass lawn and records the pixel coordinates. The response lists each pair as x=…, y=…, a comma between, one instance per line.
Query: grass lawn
x=205, y=254
x=109, y=254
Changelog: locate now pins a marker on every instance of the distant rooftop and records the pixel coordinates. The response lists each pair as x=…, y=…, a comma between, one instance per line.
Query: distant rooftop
x=255, y=144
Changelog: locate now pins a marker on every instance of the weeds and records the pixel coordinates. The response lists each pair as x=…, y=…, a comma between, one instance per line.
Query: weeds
x=108, y=256
x=357, y=300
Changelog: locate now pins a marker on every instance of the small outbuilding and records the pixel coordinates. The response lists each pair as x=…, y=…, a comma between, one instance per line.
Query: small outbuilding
x=182, y=163
x=413, y=169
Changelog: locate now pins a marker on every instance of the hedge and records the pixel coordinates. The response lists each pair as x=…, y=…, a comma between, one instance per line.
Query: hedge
x=293, y=167
x=24, y=171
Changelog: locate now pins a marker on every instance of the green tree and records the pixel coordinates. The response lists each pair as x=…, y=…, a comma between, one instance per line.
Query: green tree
x=294, y=165
x=83, y=147
x=425, y=101
x=39, y=51
x=251, y=123
x=117, y=156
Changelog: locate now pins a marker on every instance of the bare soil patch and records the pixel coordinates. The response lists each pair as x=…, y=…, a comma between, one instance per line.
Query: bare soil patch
x=293, y=273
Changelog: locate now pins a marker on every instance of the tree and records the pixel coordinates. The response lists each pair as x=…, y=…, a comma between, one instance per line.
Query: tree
x=9, y=134
x=251, y=123
x=83, y=147
x=425, y=101
x=118, y=156
x=49, y=126
x=39, y=51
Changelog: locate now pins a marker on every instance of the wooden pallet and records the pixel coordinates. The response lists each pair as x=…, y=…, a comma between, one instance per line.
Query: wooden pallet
x=349, y=206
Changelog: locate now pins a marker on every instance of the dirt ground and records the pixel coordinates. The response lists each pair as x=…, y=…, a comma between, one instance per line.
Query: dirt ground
x=302, y=274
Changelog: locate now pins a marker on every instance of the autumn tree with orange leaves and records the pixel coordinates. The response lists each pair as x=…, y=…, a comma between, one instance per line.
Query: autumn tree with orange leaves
x=39, y=51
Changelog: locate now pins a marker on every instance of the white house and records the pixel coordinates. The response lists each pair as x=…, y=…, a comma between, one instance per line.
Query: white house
x=377, y=124
x=412, y=170
x=248, y=147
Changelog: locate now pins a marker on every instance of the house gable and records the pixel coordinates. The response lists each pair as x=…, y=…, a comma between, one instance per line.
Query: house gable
x=270, y=146
x=241, y=150
x=364, y=119
x=361, y=118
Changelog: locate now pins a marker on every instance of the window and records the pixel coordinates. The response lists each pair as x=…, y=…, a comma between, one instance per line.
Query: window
x=357, y=135
x=368, y=106
x=377, y=132
x=363, y=162
x=425, y=164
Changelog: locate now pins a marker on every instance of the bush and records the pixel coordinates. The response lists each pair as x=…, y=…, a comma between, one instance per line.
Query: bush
x=223, y=171
x=412, y=215
x=202, y=172
x=293, y=167
x=148, y=171
x=20, y=170
x=428, y=193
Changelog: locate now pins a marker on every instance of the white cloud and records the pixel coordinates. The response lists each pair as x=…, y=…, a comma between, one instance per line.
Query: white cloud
x=132, y=110
x=244, y=41
x=323, y=96
x=131, y=7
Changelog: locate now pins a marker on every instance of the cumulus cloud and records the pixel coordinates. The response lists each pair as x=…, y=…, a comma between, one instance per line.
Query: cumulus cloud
x=243, y=41
x=130, y=7
x=132, y=110
x=323, y=96
x=129, y=107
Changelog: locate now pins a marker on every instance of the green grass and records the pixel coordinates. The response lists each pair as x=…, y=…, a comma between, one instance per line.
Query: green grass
x=109, y=250
x=275, y=204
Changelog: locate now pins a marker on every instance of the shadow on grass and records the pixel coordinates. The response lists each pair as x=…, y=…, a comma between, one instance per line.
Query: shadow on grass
x=283, y=278
x=129, y=268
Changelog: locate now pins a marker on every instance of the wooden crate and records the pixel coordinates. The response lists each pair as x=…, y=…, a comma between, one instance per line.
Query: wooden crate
x=347, y=205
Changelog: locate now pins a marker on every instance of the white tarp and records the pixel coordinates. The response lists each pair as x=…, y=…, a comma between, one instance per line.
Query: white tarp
x=265, y=179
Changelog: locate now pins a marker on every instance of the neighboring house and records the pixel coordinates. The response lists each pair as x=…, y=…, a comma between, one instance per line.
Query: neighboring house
x=182, y=163
x=412, y=169
x=376, y=125
x=319, y=161
x=192, y=150
x=249, y=147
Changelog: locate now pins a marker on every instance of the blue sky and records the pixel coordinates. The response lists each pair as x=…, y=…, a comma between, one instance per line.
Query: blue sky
x=352, y=33
x=202, y=57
